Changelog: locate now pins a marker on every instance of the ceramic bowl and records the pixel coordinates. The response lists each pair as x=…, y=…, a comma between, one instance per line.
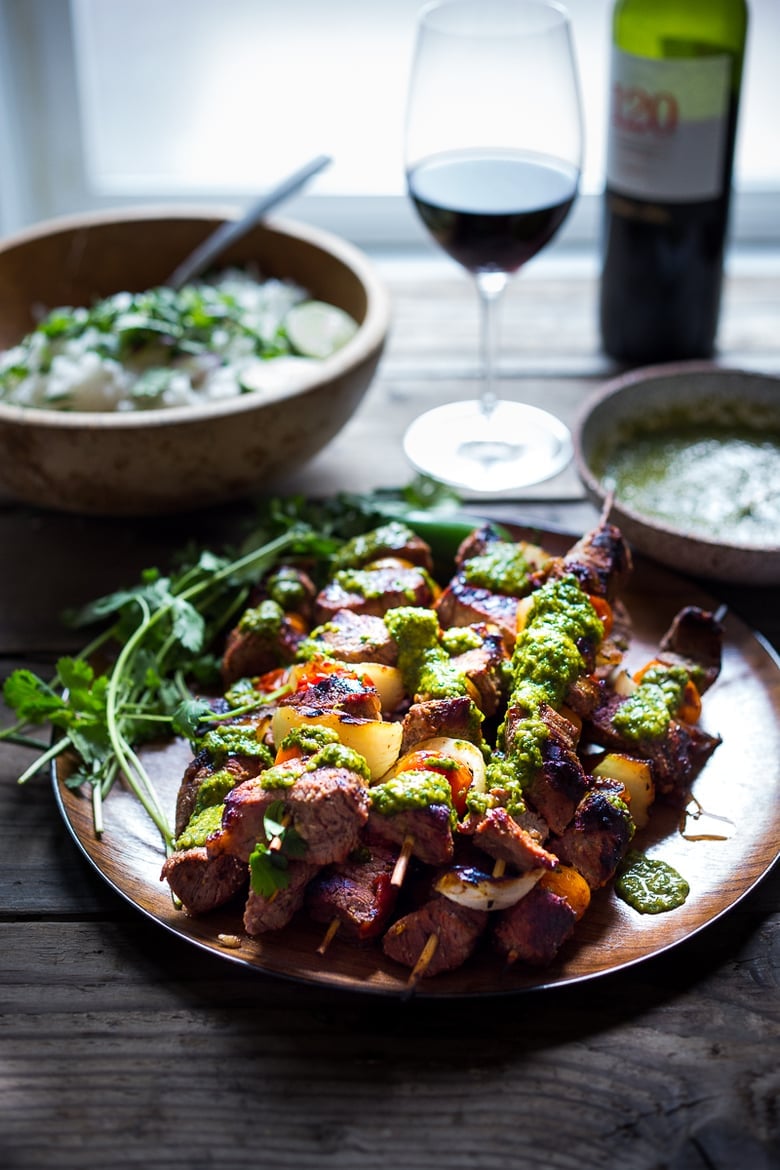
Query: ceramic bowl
x=631, y=406
x=177, y=458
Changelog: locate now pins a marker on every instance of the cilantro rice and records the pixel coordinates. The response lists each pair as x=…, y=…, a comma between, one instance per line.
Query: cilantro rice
x=160, y=348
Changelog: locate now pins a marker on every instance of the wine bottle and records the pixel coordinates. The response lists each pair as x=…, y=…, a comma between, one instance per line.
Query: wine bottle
x=676, y=75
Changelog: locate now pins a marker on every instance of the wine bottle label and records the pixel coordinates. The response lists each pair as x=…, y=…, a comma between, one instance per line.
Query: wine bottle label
x=668, y=130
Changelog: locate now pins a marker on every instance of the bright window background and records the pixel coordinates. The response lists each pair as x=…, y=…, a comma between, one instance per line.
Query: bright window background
x=112, y=101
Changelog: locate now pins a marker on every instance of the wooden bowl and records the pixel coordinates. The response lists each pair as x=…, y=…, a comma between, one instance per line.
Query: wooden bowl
x=171, y=459
x=635, y=404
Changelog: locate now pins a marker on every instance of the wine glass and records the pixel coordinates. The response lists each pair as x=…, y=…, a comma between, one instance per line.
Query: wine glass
x=493, y=153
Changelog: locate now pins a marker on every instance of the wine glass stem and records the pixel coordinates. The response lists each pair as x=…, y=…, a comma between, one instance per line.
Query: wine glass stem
x=490, y=286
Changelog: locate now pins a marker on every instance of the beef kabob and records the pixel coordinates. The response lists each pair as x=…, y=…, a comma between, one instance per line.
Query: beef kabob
x=320, y=693
x=536, y=755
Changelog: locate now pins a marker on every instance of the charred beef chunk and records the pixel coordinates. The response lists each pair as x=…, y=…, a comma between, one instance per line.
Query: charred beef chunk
x=203, y=769
x=676, y=757
x=337, y=692
x=250, y=652
x=263, y=914
x=201, y=883
x=457, y=930
x=328, y=807
x=272, y=628
x=373, y=591
x=535, y=928
x=393, y=539
x=429, y=828
x=457, y=718
x=477, y=543
x=598, y=837
x=482, y=666
x=500, y=836
x=600, y=560
x=462, y=604
x=584, y=695
x=356, y=637
x=694, y=640
x=357, y=892
x=555, y=789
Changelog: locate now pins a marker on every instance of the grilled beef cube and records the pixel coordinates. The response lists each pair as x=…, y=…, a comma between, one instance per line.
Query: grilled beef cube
x=200, y=769
x=482, y=667
x=457, y=929
x=373, y=591
x=600, y=560
x=457, y=718
x=500, y=836
x=201, y=883
x=263, y=914
x=676, y=757
x=357, y=892
x=356, y=637
x=429, y=828
x=694, y=640
x=598, y=837
x=462, y=604
x=249, y=652
x=335, y=692
x=584, y=696
x=477, y=543
x=393, y=539
x=558, y=786
x=535, y=928
x=327, y=807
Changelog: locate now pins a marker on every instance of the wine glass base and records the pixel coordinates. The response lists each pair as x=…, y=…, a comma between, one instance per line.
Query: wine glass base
x=513, y=446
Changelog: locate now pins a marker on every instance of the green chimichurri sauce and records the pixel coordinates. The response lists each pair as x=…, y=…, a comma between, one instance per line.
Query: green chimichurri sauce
x=365, y=584
x=264, y=619
x=214, y=789
x=320, y=748
x=502, y=568
x=426, y=667
x=650, y=885
x=388, y=539
x=409, y=790
x=722, y=484
x=234, y=739
x=647, y=713
x=286, y=588
x=200, y=826
x=546, y=661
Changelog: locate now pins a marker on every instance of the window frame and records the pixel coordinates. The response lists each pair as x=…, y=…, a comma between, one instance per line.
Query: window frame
x=39, y=102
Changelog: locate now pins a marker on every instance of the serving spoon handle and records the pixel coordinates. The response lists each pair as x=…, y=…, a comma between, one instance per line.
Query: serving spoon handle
x=232, y=230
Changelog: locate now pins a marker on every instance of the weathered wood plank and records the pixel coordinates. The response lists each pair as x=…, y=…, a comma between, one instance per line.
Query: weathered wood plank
x=135, y=1036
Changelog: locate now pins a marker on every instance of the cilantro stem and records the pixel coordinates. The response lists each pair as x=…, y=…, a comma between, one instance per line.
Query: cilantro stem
x=128, y=761
x=97, y=809
x=10, y=735
x=41, y=761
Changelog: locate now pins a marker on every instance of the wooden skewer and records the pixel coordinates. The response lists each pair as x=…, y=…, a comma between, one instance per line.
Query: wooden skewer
x=402, y=862
x=275, y=844
x=422, y=964
x=499, y=867
x=329, y=935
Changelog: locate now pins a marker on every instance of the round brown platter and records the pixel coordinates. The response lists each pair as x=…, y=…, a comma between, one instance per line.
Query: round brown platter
x=722, y=854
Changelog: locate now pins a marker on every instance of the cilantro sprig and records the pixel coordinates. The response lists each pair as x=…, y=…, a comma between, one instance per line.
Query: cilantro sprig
x=134, y=681
x=160, y=636
x=270, y=859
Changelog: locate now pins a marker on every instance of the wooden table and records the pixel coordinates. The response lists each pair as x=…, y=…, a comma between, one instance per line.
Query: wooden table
x=123, y=1046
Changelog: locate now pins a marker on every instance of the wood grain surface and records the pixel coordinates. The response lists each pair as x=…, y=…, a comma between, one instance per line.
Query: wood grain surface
x=122, y=1045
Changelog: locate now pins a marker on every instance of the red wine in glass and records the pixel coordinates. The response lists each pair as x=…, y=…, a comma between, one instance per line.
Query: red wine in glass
x=493, y=153
x=492, y=212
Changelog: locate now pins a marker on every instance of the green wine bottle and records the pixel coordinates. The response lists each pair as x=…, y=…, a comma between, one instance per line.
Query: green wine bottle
x=676, y=75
